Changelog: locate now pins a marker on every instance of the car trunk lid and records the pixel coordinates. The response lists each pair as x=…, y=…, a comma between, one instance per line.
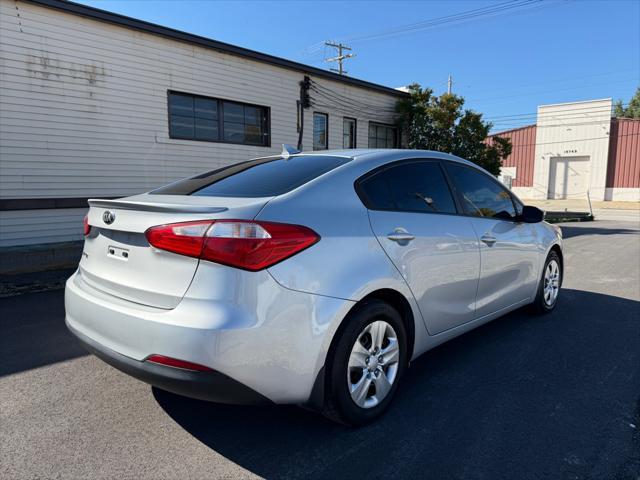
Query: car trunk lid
x=117, y=258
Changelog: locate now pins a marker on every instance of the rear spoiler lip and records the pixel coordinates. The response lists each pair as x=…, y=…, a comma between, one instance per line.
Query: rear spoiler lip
x=154, y=207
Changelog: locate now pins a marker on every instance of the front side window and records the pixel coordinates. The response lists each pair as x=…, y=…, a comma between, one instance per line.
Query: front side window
x=382, y=136
x=481, y=195
x=418, y=186
x=320, y=134
x=255, y=178
x=349, y=133
x=193, y=117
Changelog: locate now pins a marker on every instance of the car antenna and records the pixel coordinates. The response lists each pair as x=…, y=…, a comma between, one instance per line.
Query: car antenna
x=288, y=150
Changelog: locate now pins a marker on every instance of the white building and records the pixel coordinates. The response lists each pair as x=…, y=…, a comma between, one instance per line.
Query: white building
x=575, y=151
x=95, y=104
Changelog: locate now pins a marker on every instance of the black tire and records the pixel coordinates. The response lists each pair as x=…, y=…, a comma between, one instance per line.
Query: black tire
x=338, y=405
x=539, y=304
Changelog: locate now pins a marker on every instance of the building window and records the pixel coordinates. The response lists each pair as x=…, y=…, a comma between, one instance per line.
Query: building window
x=382, y=136
x=320, y=133
x=193, y=117
x=348, y=132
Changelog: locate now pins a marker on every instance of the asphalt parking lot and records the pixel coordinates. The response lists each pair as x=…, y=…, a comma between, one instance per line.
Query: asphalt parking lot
x=522, y=397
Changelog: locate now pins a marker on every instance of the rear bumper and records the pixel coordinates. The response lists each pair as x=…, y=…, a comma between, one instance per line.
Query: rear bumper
x=212, y=386
x=257, y=336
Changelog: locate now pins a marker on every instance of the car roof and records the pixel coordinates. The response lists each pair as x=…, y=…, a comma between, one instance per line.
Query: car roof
x=375, y=154
x=363, y=154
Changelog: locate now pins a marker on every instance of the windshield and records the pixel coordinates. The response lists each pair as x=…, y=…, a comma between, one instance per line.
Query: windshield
x=255, y=178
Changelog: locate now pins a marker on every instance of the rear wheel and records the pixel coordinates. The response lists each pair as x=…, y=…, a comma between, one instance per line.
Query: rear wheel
x=549, y=287
x=366, y=364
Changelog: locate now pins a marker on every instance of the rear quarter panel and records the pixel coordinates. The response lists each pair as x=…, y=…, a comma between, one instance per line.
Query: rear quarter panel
x=347, y=262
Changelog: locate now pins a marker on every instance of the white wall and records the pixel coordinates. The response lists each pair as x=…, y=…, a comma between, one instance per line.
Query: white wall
x=579, y=129
x=623, y=194
x=83, y=111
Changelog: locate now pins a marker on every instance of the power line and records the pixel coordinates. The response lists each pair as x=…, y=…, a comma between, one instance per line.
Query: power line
x=447, y=19
x=553, y=82
x=595, y=122
x=323, y=101
x=572, y=140
x=573, y=117
x=525, y=94
x=351, y=112
x=352, y=103
x=596, y=117
x=467, y=15
x=333, y=95
x=347, y=108
x=328, y=98
x=573, y=111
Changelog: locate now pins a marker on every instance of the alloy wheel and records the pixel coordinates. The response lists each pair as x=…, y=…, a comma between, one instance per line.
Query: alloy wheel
x=373, y=364
x=551, y=283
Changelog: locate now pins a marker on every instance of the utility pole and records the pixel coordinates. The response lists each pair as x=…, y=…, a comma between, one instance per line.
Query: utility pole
x=449, y=84
x=340, y=58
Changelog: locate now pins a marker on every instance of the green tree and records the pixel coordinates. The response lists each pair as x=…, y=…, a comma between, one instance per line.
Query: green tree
x=632, y=110
x=439, y=123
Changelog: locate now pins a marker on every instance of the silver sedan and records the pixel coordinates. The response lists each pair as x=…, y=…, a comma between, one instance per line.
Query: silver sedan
x=306, y=278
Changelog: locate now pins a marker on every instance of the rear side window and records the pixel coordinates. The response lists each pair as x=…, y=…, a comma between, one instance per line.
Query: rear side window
x=255, y=178
x=480, y=195
x=409, y=187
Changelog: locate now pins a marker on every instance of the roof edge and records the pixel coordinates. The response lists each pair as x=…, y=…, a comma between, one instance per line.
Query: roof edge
x=627, y=119
x=148, y=27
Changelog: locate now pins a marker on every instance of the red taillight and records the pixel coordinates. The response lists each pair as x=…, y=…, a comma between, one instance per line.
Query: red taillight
x=238, y=243
x=86, y=228
x=175, y=363
x=186, y=238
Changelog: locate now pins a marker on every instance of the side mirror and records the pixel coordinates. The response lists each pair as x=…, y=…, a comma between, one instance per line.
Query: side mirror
x=532, y=214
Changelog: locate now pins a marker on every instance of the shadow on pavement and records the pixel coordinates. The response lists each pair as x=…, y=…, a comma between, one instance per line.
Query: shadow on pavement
x=569, y=232
x=33, y=333
x=521, y=397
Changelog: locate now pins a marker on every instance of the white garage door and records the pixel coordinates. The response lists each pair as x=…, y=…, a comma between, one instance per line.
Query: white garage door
x=569, y=177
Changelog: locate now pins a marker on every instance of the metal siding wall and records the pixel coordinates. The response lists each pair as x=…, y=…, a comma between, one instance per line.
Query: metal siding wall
x=523, y=141
x=83, y=112
x=624, y=154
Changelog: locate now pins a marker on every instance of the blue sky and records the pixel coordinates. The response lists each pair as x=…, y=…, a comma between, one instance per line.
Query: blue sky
x=503, y=64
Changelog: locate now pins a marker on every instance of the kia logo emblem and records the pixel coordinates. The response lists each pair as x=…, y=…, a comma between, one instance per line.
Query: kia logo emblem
x=108, y=217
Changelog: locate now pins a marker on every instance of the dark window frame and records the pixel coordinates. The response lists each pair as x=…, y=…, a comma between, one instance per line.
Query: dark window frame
x=515, y=201
x=396, y=137
x=313, y=131
x=382, y=168
x=355, y=132
x=220, y=101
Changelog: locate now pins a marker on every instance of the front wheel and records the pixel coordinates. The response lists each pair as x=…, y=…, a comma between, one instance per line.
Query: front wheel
x=549, y=287
x=366, y=364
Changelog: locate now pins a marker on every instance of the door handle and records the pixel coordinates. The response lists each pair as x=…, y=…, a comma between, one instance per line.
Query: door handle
x=489, y=240
x=400, y=235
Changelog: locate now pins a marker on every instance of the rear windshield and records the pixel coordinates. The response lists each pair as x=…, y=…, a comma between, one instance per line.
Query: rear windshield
x=255, y=178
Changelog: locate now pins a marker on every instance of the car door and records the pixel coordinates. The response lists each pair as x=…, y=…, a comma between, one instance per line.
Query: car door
x=415, y=218
x=508, y=247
